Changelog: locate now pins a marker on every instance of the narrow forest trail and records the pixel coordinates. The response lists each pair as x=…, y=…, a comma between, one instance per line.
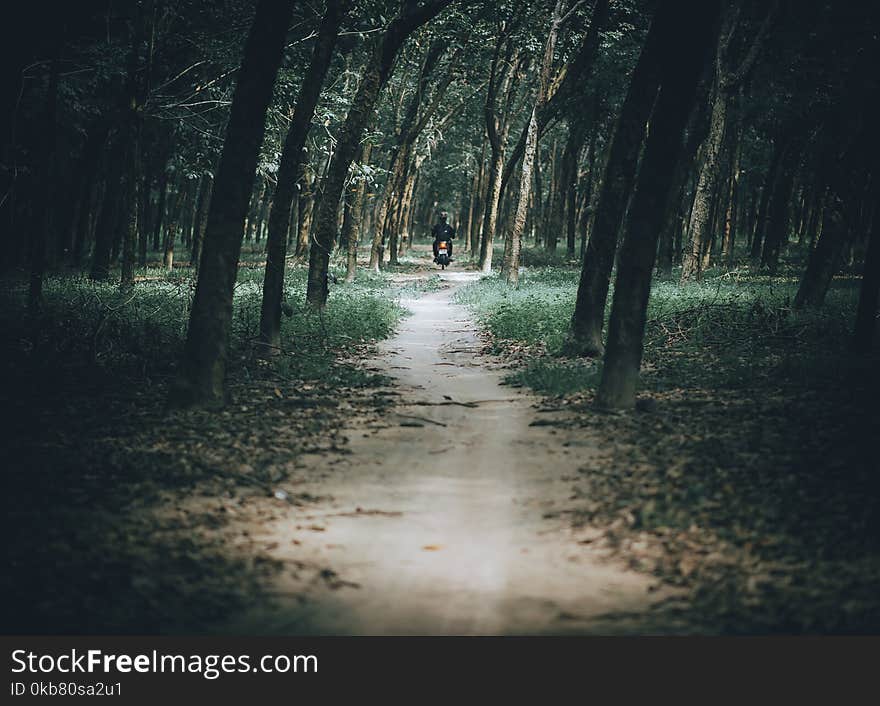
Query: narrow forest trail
x=437, y=523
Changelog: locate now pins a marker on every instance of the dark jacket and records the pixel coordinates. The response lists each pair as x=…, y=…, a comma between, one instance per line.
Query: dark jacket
x=443, y=231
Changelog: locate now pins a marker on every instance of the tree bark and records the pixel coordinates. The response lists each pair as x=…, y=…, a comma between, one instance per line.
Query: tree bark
x=585, y=337
x=160, y=205
x=684, y=33
x=569, y=89
x=305, y=209
x=513, y=240
x=42, y=217
x=173, y=223
x=764, y=201
x=108, y=218
x=357, y=206
x=201, y=378
x=866, y=313
x=501, y=83
x=726, y=81
x=97, y=138
x=733, y=194
x=132, y=121
x=778, y=215
x=374, y=78
x=288, y=172
x=825, y=258
x=201, y=223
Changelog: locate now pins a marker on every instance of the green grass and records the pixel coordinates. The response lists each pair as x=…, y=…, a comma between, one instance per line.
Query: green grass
x=729, y=330
x=95, y=324
x=556, y=377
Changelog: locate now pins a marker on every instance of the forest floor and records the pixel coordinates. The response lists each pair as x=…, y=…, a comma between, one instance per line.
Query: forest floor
x=412, y=486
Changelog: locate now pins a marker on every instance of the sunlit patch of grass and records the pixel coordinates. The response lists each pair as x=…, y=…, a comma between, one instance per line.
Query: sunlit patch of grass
x=94, y=324
x=729, y=330
x=538, y=311
x=556, y=377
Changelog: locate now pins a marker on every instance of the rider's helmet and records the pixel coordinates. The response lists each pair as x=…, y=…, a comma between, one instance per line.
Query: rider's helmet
x=443, y=215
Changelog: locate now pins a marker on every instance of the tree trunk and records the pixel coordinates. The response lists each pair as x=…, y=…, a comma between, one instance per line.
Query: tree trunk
x=587, y=208
x=825, y=258
x=42, y=217
x=91, y=160
x=406, y=208
x=306, y=208
x=778, y=217
x=160, y=206
x=471, y=207
x=866, y=313
x=497, y=129
x=263, y=211
x=513, y=241
x=585, y=337
x=289, y=171
x=779, y=150
x=551, y=205
x=699, y=226
x=374, y=78
x=479, y=202
x=204, y=201
x=173, y=223
x=254, y=208
x=132, y=151
x=699, y=230
x=108, y=218
x=201, y=378
x=352, y=236
x=684, y=33
x=490, y=220
x=577, y=137
x=728, y=239
x=130, y=221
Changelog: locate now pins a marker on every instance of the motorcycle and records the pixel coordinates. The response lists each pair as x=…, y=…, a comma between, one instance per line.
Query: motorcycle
x=442, y=258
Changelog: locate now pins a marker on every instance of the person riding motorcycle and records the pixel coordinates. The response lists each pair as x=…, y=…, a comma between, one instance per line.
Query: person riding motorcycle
x=443, y=231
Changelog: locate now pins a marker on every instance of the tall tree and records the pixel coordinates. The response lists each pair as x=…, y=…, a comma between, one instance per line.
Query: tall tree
x=727, y=81
x=866, y=313
x=288, y=172
x=585, y=336
x=42, y=222
x=202, y=374
x=374, y=78
x=503, y=76
x=684, y=31
x=512, y=241
x=132, y=136
x=356, y=207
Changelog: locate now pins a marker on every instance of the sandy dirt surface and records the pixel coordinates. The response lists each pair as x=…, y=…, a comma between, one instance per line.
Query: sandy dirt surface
x=441, y=517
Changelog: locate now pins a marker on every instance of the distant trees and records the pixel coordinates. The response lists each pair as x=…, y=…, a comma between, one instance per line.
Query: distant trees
x=504, y=74
x=373, y=79
x=724, y=86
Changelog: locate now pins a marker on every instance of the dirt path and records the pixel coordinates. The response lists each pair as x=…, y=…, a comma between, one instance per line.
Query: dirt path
x=437, y=523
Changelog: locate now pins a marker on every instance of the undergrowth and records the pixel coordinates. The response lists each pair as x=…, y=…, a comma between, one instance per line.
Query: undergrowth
x=726, y=331
x=94, y=324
